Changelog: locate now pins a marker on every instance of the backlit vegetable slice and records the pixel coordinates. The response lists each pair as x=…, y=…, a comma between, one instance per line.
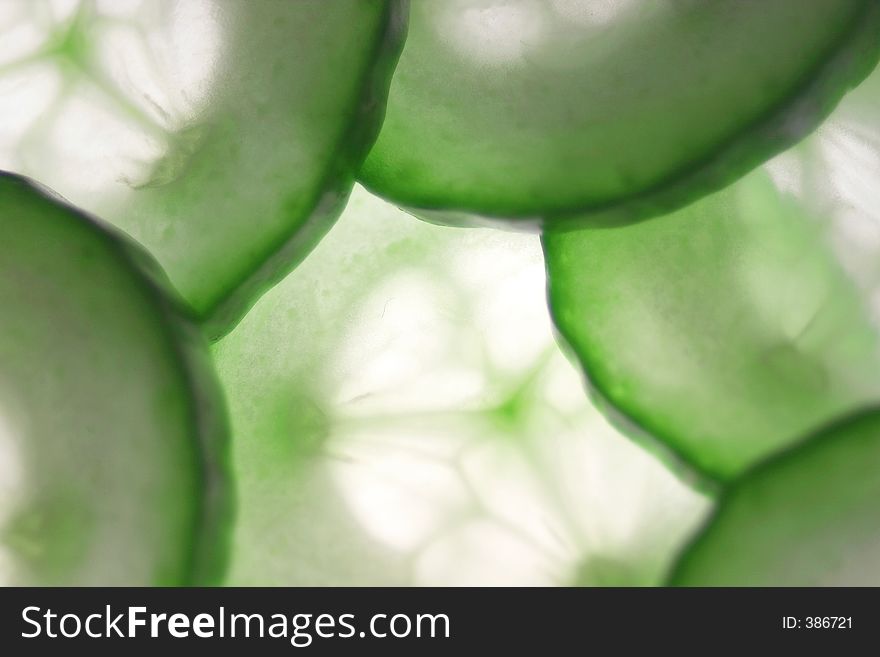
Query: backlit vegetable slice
x=222, y=134
x=735, y=326
x=806, y=518
x=606, y=110
x=414, y=422
x=112, y=430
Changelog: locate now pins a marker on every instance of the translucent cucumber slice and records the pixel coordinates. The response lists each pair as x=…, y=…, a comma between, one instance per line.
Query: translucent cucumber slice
x=222, y=134
x=735, y=326
x=112, y=429
x=805, y=518
x=414, y=422
x=605, y=111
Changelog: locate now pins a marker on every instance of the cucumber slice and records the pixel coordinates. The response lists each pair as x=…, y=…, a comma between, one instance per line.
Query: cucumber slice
x=223, y=135
x=112, y=428
x=605, y=112
x=805, y=518
x=414, y=422
x=735, y=326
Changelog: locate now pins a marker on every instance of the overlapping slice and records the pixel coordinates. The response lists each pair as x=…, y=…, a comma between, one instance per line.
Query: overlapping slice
x=413, y=422
x=735, y=326
x=806, y=518
x=222, y=134
x=112, y=429
x=608, y=110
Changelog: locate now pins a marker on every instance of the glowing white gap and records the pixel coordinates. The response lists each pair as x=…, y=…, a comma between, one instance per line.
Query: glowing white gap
x=475, y=496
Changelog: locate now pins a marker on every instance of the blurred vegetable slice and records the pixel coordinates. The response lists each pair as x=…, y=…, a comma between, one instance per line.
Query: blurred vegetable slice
x=805, y=518
x=223, y=135
x=735, y=326
x=414, y=422
x=605, y=111
x=112, y=428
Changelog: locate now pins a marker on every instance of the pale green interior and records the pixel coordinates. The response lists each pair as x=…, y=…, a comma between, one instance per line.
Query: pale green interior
x=733, y=327
x=165, y=118
x=525, y=109
x=103, y=477
x=403, y=416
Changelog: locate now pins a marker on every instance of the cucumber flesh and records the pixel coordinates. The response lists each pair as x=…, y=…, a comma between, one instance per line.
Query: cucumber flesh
x=805, y=518
x=112, y=427
x=735, y=326
x=223, y=135
x=414, y=422
x=573, y=111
